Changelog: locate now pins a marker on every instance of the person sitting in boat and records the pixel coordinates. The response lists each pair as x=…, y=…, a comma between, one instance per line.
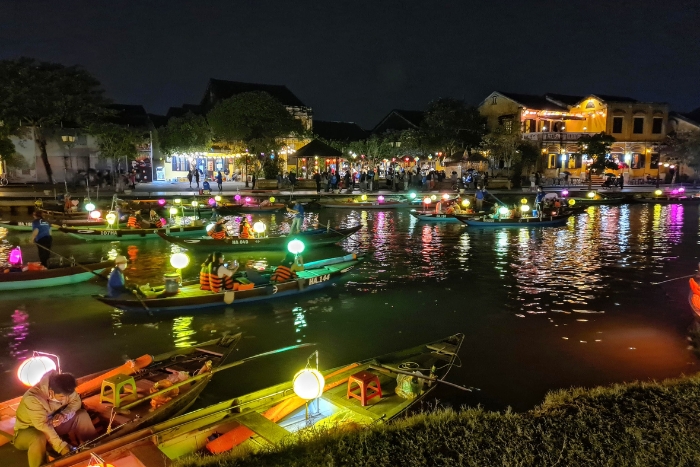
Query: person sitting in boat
x=287, y=270
x=116, y=284
x=246, y=231
x=218, y=232
x=204, y=273
x=49, y=410
x=220, y=277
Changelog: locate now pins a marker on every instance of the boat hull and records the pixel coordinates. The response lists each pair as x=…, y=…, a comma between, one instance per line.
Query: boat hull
x=318, y=237
x=51, y=277
x=192, y=298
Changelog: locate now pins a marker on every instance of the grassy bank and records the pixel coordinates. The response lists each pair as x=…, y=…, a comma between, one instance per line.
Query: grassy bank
x=640, y=424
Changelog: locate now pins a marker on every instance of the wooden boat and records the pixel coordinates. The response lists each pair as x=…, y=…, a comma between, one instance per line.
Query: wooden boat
x=315, y=237
x=109, y=235
x=317, y=274
x=52, y=277
x=269, y=416
x=228, y=209
x=388, y=204
x=521, y=222
x=137, y=412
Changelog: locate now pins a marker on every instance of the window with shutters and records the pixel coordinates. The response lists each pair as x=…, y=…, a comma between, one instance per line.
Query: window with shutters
x=617, y=124
x=638, y=125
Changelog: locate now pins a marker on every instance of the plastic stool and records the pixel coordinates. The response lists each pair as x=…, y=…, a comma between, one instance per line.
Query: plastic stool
x=117, y=384
x=364, y=379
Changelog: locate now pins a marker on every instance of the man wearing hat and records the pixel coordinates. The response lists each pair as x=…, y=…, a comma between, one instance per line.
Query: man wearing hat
x=116, y=285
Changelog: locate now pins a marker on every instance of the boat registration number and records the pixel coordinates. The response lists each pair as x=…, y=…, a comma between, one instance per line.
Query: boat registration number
x=319, y=279
x=108, y=232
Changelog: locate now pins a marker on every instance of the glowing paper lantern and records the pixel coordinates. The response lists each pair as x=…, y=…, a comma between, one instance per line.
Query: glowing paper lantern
x=426, y=200
x=524, y=208
x=591, y=194
x=259, y=227
x=32, y=369
x=161, y=202
x=308, y=384
x=465, y=203
x=658, y=192
x=272, y=199
x=503, y=210
x=95, y=214
x=111, y=217
x=179, y=260
x=16, y=256
x=90, y=207
x=295, y=247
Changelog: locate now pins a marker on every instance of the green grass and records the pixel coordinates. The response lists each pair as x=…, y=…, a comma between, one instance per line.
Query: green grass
x=636, y=424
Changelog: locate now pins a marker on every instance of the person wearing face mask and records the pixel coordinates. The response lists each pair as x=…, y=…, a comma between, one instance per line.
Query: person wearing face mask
x=116, y=284
x=49, y=410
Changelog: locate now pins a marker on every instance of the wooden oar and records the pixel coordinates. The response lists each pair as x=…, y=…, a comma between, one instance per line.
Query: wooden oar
x=72, y=261
x=386, y=369
x=215, y=370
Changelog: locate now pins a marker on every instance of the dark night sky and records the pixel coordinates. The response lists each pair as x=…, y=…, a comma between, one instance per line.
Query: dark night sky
x=357, y=60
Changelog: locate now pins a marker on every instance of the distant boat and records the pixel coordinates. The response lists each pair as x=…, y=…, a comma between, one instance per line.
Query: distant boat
x=269, y=416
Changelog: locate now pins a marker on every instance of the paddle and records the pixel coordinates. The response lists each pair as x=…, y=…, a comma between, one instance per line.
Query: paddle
x=215, y=370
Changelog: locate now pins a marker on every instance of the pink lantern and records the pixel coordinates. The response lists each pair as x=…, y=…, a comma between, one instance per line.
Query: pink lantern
x=16, y=256
x=565, y=192
x=380, y=198
x=161, y=202
x=211, y=201
x=237, y=197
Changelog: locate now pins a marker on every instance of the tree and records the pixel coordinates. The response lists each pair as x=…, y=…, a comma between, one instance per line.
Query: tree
x=258, y=122
x=450, y=125
x=185, y=135
x=38, y=96
x=597, y=147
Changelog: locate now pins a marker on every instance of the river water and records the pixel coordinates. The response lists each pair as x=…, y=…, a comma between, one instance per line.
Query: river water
x=541, y=309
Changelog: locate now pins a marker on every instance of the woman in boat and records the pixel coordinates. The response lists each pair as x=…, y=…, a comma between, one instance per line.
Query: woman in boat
x=218, y=232
x=246, y=231
x=204, y=273
x=41, y=235
x=220, y=277
x=287, y=270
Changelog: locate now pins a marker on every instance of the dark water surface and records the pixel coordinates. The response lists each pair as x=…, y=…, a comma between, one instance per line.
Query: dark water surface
x=541, y=309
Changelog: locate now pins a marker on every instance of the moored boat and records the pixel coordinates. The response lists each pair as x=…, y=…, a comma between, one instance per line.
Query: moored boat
x=110, y=234
x=314, y=237
x=521, y=222
x=52, y=277
x=273, y=415
x=316, y=275
x=187, y=370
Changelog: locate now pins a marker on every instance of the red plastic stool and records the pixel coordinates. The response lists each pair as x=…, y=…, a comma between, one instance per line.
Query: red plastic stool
x=364, y=379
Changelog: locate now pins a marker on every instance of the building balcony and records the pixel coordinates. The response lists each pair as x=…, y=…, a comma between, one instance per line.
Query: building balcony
x=556, y=136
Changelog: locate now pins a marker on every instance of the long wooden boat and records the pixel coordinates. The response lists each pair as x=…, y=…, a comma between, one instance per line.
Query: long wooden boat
x=314, y=237
x=137, y=412
x=317, y=274
x=52, y=277
x=273, y=415
x=107, y=234
x=389, y=204
x=522, y=222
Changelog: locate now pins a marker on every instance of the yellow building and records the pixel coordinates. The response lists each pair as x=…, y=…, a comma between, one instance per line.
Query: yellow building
x=555, y=122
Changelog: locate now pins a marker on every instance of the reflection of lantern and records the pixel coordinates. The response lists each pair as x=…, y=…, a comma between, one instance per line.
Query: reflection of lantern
x=465, y=203
x=161, y=202
x=524, y=208
x=111, y=217
x=295, y=247
x=179, y=260
x=259, y=227
x=32, y=369
x=591, y=194
x=95, y=214
x=309, y=384
x=90, y=207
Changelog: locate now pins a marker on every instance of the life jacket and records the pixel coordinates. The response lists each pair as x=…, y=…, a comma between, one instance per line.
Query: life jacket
x=132, y=223
x=220, y=235
x=204, y=277
x=245, y=232
x=217, y=283
x=282, y=274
